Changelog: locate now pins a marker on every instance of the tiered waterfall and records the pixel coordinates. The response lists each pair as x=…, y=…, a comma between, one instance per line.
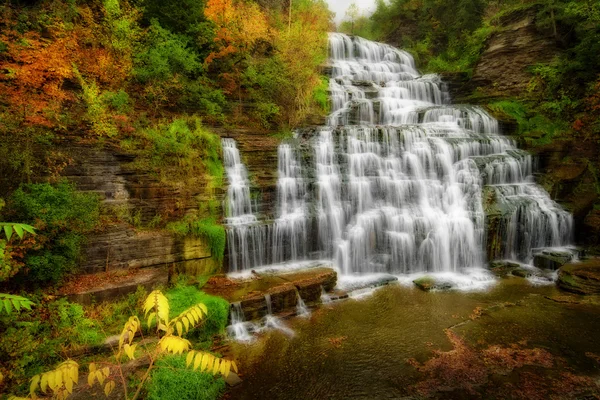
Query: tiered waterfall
x=395, y=182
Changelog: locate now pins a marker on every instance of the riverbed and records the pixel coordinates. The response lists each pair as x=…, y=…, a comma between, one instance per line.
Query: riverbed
x=514, y=340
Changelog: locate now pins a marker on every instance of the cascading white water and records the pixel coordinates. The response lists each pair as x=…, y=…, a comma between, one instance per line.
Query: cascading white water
x=394, y=182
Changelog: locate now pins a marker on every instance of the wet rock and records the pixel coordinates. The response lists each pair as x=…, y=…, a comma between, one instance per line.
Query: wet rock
x=503, y=268
x=233, y=379
x=522, y=272
x=581, y=278
x=428, y=283
x=553, y=259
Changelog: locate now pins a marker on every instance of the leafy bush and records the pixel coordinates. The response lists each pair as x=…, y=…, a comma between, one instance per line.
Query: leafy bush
x=171, y=380
x=62, y=217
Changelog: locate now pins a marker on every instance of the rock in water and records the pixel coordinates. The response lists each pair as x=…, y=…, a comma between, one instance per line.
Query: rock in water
x=428, y=283
x=581, y=278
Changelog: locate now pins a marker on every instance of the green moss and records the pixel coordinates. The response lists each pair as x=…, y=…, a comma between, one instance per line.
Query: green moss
x=206, y=228
x=183, y=297
x=172, y=380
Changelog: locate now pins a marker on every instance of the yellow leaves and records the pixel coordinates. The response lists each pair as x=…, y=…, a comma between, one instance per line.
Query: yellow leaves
x=60, y=380
x=174, y=344
x=188, y=318
x=110, y=385
x=207, y=362
x=101, y=375
x=129, y=350
x=158, y=302
x=129, y=330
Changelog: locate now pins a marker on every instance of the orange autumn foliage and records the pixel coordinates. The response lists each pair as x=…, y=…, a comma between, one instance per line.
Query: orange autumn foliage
x=240, y=25
x=32, y=78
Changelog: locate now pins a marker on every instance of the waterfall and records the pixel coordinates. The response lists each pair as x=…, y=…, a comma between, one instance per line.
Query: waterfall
x=301, y=309
x=239, y=328
x=394, y=183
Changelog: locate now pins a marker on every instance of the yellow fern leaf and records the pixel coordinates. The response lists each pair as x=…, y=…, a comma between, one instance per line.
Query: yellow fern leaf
x=216, y=365
x=225, y=366
x=189, y=358
x=44, y=383
x=186, y=323
x=69, y=385
x=206, y=359
x=197, y=361
x=179, y=328
x=35, y=383
x=203, y=308
x=235, y=367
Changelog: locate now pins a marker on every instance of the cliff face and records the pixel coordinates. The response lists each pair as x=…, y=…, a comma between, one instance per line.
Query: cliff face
x=131, y=195
x=510, y=52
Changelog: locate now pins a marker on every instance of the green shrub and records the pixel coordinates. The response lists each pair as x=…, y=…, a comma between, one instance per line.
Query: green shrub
x=62, y=217
x=172, y=380
x=68, y=319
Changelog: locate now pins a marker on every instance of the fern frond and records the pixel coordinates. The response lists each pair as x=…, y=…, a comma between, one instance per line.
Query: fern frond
x=174, y=344
x=9, y=301
x=188, y=318
x=60, y=380
x=158, y=302
x=206, y=362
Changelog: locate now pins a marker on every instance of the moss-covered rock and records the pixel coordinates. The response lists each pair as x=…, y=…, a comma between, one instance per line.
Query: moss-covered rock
x=581, y=278
x=502, y=267
x=428, y=283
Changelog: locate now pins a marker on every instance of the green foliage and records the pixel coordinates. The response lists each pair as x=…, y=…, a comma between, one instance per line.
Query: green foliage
x=122, y=27
x=183, y=297
x=97, y=113
x=165, y=56
x=186, y=145
x=118, y=101
x=62, y=217
x=9, y=302
x=531, y=123
x=69, y=319
x=206, y=228
x=172, y=380
x=321, y=94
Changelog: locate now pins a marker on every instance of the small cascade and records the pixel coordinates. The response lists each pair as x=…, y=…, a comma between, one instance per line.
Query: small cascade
x=239, y=329
x=273, y=322
x=399, y=182
x=301, y=309
x=325, y=299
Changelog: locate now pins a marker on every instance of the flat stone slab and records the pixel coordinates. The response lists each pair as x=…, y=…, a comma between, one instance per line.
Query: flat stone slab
x=101, y=287
x=581, y=278
x=283, y=290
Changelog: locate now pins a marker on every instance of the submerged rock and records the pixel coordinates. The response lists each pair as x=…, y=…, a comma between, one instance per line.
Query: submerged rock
x=502, y=268
x=428, y=283
x=522, y=272
x=581, y=278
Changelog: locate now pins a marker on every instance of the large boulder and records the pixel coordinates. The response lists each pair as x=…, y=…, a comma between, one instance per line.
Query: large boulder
x=581, y=278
